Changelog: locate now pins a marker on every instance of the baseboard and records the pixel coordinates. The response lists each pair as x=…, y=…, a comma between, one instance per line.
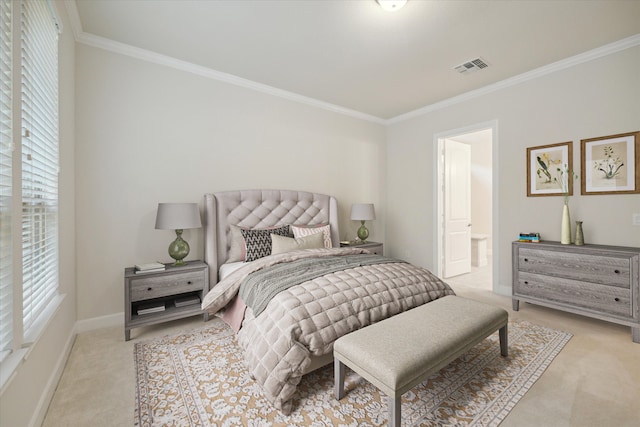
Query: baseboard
x=47, y=394
x=116, y=319
x=108, y=321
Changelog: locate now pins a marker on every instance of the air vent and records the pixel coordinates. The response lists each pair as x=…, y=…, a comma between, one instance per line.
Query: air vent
x=469, y=66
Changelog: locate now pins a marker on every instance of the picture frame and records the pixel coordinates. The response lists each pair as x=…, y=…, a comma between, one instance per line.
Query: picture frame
x=548, y=170
x=610, y=164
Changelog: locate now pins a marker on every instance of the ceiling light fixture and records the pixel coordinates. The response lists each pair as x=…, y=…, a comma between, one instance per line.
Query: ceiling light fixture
x=391, y=5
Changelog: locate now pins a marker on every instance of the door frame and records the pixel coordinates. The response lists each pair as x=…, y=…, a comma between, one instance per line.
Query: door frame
x=438, y=203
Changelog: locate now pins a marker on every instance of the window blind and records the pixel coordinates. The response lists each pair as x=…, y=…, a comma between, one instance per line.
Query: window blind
x=6, y=150
x=39, y=92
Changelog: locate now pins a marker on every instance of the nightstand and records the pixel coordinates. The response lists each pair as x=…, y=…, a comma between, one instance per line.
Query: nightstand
x=162, y=296
x=374, y=247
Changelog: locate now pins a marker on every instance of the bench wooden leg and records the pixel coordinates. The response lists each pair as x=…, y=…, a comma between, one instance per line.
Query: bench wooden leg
x=394, y=411
x=504, y=347
x=338, y=375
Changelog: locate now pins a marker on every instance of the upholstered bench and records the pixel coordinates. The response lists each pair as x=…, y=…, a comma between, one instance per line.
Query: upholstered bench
x=400, y=352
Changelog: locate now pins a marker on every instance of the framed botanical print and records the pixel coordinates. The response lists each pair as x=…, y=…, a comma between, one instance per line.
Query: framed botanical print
x=611, y=164
x=548, y=169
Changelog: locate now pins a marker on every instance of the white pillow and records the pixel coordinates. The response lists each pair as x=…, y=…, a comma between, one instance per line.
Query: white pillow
x=281, y=244
x=306, y=230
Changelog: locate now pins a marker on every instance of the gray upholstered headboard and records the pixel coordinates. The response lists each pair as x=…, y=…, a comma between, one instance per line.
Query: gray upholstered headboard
x=258, y=209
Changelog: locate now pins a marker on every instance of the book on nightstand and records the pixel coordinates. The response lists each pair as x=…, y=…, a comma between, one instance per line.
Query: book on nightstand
x=188, y=300
x=151, y=267
x=149, y=308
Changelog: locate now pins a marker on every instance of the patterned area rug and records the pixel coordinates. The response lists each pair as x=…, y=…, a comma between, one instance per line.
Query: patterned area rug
x=198, y=379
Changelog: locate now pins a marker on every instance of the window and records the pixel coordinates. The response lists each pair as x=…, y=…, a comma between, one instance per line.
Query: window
x=39, y=38
x=28, y=170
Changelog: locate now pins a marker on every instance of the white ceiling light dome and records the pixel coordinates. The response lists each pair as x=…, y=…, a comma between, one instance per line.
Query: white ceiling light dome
x=391, y=5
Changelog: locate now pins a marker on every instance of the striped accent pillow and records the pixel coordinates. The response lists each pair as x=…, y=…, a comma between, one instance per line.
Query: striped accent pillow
x=307, y=230
x=258, y=241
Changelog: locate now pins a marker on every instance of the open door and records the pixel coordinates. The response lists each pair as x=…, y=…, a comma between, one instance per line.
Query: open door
x=457, y=208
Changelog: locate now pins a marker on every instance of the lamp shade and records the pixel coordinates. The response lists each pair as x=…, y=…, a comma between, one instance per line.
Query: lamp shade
x=363, y=212
x=178, y=216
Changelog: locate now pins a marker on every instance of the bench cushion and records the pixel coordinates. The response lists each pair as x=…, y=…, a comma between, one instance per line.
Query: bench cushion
x=404, y=350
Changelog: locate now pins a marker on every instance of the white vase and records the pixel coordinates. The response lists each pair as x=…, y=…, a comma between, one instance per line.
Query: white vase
x=565, y=237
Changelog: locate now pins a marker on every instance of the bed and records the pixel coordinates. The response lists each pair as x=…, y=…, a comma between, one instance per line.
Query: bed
x=289, y=297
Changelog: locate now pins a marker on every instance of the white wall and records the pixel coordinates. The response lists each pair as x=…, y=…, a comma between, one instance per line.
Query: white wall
x=148, y=133
x=592, y=99
x=481, y=184
x=27, y=396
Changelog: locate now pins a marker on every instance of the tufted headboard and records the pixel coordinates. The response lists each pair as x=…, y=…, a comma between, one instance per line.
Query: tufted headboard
x=258, y=209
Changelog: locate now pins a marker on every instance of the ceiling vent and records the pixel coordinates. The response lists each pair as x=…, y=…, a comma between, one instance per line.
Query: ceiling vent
x=469, y=66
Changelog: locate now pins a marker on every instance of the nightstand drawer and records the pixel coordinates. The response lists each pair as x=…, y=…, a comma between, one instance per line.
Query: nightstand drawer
x=373, y=247
x=156, y=286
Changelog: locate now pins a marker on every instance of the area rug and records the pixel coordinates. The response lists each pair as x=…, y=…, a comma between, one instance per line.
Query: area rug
x=199, y=379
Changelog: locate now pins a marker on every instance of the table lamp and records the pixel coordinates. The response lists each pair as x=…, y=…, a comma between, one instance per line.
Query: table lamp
x=178, y=216
x=363, y=212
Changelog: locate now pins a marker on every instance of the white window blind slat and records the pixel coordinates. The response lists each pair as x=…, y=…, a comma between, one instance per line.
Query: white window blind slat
x=6, y=192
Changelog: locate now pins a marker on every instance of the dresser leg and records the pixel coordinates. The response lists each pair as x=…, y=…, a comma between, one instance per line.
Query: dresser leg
x=635, y=334
x=515, y=304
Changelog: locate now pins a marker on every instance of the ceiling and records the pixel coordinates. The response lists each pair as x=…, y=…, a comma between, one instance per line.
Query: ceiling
x=356, y=56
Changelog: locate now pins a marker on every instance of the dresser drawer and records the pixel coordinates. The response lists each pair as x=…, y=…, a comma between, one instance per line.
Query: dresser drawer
x=608, y=270
x=156, y=286
x=601, y=298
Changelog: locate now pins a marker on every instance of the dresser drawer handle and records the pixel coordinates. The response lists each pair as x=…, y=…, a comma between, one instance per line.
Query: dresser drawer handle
x=149, y=289
x=616, y=299
x=616, y=271
x=189, y=282
x=526, y=282
x=526, y=260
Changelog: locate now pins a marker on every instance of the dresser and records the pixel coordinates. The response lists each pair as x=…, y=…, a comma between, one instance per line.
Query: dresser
x=598, y=281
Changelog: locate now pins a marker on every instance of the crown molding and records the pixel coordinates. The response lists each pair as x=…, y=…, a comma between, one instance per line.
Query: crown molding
x=524, y=77
x=154, y=57
x=157, y=58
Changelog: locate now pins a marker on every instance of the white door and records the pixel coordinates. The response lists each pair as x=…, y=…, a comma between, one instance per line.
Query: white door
x=457, y=208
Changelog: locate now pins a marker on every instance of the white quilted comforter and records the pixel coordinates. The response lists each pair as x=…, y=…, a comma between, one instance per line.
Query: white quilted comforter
x=306, y=319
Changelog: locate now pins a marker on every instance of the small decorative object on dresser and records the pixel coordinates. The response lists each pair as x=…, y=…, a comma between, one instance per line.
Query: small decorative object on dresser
x=373, y=247
x=592, y=280
x=164, y=295
x=579, y=234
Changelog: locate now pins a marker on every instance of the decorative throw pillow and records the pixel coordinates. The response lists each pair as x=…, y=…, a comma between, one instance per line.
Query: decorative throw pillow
x=281, y=244
x=258, y=241
x=237, y=249
x=306, y=230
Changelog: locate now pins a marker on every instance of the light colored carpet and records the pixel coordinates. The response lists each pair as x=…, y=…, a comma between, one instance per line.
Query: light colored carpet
x=199, y=379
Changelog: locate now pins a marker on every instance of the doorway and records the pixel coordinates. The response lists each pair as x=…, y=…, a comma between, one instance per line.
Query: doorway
x=465, y=245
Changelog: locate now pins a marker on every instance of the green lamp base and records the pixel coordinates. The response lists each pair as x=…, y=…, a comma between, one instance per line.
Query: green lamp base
x=363, y=233
x=178, y=249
